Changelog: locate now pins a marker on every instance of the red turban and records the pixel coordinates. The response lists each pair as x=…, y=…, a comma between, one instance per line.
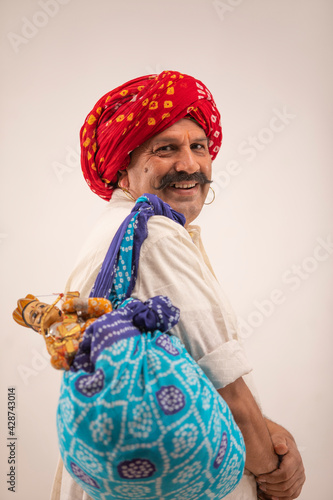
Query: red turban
x=129, y=115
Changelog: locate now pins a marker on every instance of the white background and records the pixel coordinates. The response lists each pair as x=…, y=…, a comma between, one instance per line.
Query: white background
x=259, y=58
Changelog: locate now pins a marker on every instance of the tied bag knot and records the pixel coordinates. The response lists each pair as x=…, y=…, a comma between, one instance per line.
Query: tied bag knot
x=132, y=319
x=157, y=313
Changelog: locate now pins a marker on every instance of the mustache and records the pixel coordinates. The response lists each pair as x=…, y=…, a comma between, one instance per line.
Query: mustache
x=198, y=177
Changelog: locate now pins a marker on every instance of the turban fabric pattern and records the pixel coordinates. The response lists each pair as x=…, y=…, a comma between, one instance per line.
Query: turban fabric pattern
x=129, y=115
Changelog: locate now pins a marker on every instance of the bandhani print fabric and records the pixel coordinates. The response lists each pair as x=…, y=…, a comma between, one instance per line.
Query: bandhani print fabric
x=129, y=115
x=137, y=418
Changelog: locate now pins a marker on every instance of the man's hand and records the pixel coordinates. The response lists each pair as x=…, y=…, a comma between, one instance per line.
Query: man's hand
x=287, y=481
x=260, y=455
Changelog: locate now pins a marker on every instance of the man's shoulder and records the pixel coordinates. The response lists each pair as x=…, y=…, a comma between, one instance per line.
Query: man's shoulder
x=160, y=227
x=168, y=237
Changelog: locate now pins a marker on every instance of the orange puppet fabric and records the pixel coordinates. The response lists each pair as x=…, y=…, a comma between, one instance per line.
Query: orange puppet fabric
x=129, y=115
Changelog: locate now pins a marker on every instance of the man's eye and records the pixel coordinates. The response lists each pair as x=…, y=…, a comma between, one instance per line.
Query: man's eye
x=198, y=146
x=34, y=315
x=163, y=149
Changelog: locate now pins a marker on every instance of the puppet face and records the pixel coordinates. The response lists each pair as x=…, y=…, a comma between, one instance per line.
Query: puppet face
x=175, y=165
x=34, y=312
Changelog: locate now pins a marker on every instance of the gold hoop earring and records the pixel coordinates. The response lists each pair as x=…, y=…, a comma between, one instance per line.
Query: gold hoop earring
x=127, y=193
x=210, y=187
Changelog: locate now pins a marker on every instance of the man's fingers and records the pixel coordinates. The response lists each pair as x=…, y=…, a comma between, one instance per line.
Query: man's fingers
x=275, y=477
x=287, y=495
x=287, y=490
x=280, y=448
x=279, y=440
x=286, y=471
x=289, y=469
x=286, y=482
x=262, y=496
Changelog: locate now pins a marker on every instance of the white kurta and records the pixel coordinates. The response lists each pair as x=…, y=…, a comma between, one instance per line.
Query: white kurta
x=172, y=262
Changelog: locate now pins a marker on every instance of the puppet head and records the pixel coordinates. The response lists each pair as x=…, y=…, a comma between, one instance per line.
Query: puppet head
x=32, y=313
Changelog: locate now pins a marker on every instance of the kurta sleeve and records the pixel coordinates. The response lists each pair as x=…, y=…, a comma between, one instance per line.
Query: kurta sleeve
x=171, y=264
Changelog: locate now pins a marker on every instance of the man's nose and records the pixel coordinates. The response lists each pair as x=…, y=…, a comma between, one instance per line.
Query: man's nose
x=186, y=162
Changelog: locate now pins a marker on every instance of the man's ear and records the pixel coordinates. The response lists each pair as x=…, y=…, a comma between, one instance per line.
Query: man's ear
x=123, y=181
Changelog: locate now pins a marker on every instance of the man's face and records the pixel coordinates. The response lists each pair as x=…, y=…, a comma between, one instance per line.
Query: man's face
x=174, y=165
x=34, y=311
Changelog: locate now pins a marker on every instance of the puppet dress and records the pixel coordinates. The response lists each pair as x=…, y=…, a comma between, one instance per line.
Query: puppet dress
x=137, y=418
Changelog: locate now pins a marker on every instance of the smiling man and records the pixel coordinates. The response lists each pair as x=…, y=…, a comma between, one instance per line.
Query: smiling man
x=175, y=165
x=159, y=134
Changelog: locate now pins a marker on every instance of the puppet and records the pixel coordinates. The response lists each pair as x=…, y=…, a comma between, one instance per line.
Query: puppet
x=62, y=329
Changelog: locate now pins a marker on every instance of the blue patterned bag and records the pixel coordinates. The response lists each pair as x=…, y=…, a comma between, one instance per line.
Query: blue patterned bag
x=137, y=418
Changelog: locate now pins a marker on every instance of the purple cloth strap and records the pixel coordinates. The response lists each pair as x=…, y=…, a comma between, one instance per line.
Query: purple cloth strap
x=146, y=206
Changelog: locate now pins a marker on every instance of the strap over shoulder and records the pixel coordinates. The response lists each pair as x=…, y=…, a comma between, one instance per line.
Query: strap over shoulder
x=117, y=282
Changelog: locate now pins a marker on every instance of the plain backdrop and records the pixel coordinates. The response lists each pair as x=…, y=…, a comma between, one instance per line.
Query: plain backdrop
x=268, y=232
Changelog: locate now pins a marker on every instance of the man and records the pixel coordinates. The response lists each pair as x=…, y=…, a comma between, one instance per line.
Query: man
x=159, y=135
